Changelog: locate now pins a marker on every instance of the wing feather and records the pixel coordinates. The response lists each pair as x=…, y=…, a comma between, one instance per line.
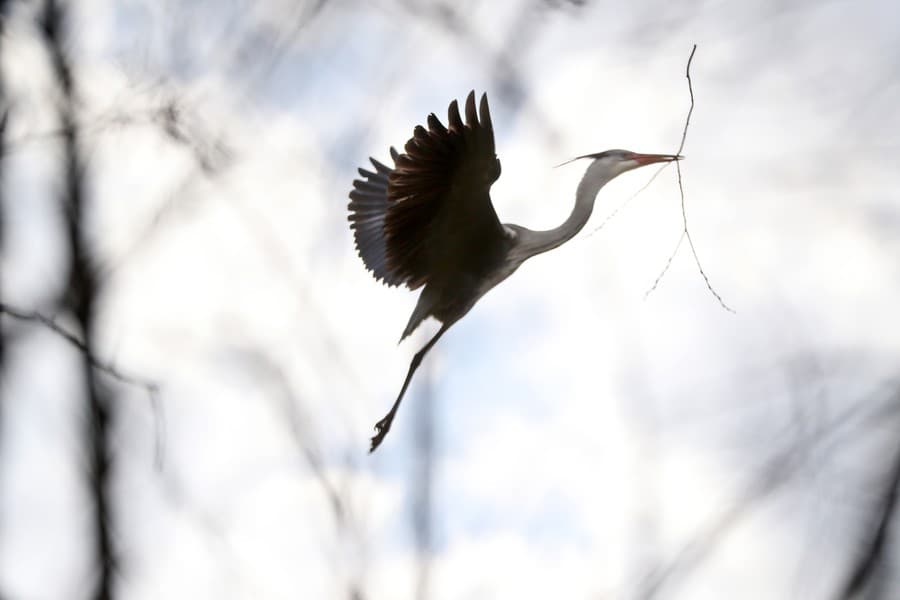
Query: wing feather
x=420, y=219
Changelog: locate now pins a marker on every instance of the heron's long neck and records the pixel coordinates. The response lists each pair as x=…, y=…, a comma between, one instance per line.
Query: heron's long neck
x=535, y=242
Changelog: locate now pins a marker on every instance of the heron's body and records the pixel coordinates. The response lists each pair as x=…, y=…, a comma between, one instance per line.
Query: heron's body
x=452, y=293
x=429, y=221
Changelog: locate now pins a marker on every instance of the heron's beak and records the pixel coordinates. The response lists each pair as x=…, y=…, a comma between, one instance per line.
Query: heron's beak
x=649, y=159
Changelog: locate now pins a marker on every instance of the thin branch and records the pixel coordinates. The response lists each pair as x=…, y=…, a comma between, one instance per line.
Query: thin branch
x=629, y=199
x=100, y=365
x=685, y=232
x=687, y=121
x=106, y=367
x=506, y=76
x=290, y=407
x=666, y=267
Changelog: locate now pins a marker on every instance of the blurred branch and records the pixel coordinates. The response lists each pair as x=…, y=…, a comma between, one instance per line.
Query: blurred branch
x=150, y=387
x=781, y=468
x=498, y=60
x=4, y=115
x=212, y=531
x=685, y=233
x=300, y=431
x=81, y=298
x=278, y=255
x=105, y=366
x=422, y=484
x=303, y=16
x=111, y=119
x=872, y=556
x=298, y=423
x=211, y=155
x=4, y=119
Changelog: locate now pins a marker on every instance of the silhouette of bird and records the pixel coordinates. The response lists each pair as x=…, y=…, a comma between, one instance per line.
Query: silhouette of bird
x=428, y=222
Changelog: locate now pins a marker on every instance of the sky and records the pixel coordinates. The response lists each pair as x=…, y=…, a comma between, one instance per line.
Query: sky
x=573, y=436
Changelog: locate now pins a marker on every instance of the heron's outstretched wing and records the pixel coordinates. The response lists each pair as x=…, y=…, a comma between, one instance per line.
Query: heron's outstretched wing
x=368, y=209
x=432, y=213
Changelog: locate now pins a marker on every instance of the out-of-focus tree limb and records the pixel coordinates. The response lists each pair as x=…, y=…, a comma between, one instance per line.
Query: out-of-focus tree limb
x=866, y=565
x=99, y=364
x=422, y=484
x=781, y=468
x=4, y=114
x=502, y=62
x=81, y=296
x=106, y=367
x=261, y=365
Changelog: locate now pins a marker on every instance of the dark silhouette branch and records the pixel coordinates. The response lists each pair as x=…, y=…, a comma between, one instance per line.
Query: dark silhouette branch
x=685, y=232
x=872, y=556
x=4, y=115
x=4, y=119
x=81, y=298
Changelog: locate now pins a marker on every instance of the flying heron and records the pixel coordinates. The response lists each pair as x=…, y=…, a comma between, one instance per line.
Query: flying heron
x=429, y=221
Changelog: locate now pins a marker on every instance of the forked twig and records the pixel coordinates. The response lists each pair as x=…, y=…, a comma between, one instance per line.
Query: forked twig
x=685, y=233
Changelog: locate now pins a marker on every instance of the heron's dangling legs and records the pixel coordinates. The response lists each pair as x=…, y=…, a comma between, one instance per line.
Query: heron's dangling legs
x=384, y=425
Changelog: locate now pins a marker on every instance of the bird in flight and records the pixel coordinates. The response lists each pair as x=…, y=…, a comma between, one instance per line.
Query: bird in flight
x=428, y=222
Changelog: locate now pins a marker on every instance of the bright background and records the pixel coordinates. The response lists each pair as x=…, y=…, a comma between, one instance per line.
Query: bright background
x=571, y=437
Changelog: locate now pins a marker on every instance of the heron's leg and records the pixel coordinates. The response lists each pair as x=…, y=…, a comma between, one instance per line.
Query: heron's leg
x=384, y=425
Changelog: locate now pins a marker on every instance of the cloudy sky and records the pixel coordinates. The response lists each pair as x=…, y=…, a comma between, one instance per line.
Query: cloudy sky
x=573, y=436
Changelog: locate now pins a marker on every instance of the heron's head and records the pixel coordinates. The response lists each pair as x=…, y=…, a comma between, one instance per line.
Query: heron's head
x=616, y=162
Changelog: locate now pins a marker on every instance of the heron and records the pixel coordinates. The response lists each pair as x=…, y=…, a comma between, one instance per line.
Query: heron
x=429, y=223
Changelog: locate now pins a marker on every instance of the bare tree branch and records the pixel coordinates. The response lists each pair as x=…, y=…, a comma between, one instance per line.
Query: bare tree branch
x=665, y=268
x=629, y=199
x=81, y=298
x=867, y=564
x=4, y=118
x=503, y=65
x=299, y=423
x=50, y=323
x=106, y=367
x=782, y=466
x=685, y=233
x=4, y=115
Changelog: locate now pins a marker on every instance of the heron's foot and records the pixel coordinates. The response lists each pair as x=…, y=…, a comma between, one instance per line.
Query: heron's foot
x=381, y=430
